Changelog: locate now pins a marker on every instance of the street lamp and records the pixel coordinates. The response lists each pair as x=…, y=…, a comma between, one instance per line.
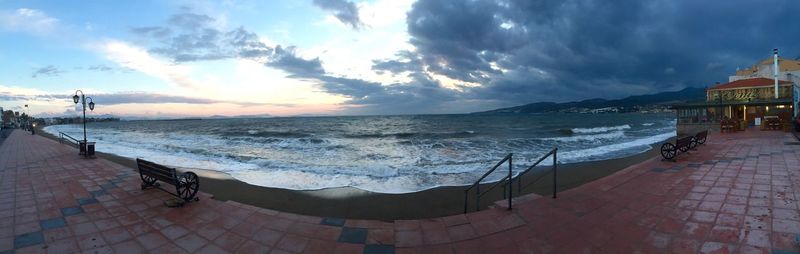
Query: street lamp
x=27, y=117
x=83, y=98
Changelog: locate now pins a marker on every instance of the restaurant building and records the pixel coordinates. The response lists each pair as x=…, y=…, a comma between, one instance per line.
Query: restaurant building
x=749, y=99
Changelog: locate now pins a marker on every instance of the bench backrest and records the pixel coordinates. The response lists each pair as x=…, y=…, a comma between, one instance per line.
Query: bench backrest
x=684, y=141
x=158, y=171
x=701, y=135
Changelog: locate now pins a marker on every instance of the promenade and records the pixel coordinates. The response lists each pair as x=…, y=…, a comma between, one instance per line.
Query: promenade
x=735, y=194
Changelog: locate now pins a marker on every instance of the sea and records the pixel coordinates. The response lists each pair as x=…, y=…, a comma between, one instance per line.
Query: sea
x=386, y=154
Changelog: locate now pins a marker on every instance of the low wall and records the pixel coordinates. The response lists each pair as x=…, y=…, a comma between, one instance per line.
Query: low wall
x=691, y=129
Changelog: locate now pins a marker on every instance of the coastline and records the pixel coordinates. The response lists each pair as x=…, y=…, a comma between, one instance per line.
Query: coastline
x=354, y=203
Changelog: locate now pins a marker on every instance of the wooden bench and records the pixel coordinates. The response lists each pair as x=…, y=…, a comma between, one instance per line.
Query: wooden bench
x=669, y=151
x=699, y=138
x=727, y=126
x=186, y=184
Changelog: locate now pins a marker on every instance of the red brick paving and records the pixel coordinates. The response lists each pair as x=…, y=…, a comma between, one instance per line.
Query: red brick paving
x=738, y=193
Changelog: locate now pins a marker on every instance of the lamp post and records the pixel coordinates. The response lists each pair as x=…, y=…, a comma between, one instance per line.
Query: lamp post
x=82, y=99
x=27, y=117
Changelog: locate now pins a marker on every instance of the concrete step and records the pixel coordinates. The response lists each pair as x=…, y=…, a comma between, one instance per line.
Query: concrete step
x=503, y=203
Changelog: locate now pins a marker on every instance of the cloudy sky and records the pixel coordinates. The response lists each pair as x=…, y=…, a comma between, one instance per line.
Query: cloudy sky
x=340, y=57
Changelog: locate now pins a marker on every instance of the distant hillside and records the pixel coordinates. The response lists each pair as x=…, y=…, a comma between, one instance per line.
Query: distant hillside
x=689, y=94
x=239, y=116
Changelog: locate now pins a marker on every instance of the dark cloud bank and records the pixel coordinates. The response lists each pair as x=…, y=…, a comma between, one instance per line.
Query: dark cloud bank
x=523, y=51
x=344, y=11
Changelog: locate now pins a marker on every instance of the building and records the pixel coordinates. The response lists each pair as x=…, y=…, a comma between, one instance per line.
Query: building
x=748, y=99
x=788, y=69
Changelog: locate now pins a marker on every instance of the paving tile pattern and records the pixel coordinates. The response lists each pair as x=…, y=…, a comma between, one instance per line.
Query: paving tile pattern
x=738, y=193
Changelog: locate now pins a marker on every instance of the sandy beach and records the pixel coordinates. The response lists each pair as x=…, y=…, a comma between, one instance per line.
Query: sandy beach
x=353, y=203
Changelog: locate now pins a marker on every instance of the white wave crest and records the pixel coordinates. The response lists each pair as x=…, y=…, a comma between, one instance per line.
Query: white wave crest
x=601, y=129
x=589, y=153
x=647, y=124
x=595, y=137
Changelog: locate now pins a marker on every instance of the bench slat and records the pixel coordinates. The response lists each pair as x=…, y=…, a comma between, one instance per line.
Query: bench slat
x=161, y=177
x=157, y=170
x=683, y=142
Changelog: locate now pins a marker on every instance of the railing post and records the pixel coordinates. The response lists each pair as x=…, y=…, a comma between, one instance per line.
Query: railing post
x=478, y=197
x=466, y=195
x=555, y=172
x=510, y=184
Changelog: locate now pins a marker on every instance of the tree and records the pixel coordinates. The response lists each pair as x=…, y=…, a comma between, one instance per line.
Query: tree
x=8, y=115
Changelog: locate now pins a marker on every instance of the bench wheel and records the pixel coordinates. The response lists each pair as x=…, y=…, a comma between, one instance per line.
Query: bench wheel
x=668, y=151
x=188, y=186
x=693, y=144
x=701, y=141
x=148, y=180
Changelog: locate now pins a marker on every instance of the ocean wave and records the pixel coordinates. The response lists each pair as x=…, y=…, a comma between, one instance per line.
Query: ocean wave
x=599, y=129
x=264, y=134
x=408, y=135
x=581, y=138
x=386, y=161
x=647, y=124
x=595, y=152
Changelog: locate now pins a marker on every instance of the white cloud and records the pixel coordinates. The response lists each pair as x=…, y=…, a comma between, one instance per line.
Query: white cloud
x=350, y=52
x=384, y=12
x=27, y=20
x=140, y=60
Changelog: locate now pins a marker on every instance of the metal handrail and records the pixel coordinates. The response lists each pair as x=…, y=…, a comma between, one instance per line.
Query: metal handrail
x=553, y=152
x=477, y=184
x=508, y=180
x=62, y=135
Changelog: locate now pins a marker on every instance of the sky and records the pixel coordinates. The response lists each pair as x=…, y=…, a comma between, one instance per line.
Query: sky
x=174, y=58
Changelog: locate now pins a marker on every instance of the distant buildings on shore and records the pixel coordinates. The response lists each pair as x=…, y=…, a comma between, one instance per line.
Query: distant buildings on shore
x=73, y=120
x=655, y=108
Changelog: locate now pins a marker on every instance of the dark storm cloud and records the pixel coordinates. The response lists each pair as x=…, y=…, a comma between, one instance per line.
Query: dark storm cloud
x=406, y=61
x=188, y=37
x=197, y=40
x=286, y=59
x=577, y=49
x=522, y=51
x=344, y=11
x=49, y=71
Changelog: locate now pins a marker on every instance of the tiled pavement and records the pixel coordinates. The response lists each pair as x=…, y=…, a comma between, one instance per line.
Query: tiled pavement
x=737, y=193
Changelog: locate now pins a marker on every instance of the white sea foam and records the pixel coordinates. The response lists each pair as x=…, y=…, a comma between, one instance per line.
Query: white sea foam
x=589, y=153
x=601, y=129
x=594, y=137
x=647, y=124
x=374, y=164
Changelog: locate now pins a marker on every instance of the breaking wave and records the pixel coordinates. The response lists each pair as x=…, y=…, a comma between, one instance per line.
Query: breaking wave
x=397, y=154
x=600, y=129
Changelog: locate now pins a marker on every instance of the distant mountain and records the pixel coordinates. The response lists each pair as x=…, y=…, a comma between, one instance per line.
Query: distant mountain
x=689, y=94
x=239, y=116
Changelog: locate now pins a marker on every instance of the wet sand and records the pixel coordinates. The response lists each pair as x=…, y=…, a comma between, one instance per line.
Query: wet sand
x=353, y=203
